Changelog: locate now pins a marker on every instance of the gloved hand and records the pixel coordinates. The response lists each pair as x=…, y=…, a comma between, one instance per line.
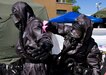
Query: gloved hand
x=68, y=64
x=46, y=45
x=43, y=51
x=52, y=27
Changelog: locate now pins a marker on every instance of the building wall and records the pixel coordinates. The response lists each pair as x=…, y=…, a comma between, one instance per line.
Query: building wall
x=52, y=6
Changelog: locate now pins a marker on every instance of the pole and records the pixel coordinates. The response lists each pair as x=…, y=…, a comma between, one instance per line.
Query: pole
x=98, y=5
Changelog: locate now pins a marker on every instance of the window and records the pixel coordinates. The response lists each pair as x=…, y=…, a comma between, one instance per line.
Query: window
x=60, y=12
x=61, y=1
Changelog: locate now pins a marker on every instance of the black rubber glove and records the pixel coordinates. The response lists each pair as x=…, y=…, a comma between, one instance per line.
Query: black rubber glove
x=52, y=27
x=43, y=52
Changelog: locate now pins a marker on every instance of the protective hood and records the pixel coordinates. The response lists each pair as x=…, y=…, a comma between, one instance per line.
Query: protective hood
x=86, y=26
x=22, y=12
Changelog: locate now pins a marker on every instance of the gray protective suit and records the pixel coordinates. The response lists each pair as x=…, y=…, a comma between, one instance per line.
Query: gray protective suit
x=34, y=46
x=80, y=55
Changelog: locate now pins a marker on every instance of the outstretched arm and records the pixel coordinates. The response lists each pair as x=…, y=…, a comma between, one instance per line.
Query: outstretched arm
x=57, y=28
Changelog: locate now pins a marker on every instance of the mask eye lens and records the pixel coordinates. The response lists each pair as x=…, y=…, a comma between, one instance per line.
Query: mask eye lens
x=76, y=33
x=16, y=18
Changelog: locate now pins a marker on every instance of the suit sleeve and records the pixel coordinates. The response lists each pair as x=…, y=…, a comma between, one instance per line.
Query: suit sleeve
x=94, y=60
x=59, y=29
x=20, y=50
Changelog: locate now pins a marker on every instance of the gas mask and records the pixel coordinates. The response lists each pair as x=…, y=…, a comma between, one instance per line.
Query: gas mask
x=76, y=33
x=17, y=20
x=75, y=37
x=16, y=16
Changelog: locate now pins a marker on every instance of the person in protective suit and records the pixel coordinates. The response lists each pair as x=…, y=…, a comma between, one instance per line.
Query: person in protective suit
x=80, y=54
x=34, y=45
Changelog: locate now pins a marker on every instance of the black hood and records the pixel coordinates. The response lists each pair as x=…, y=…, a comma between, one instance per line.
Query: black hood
x=86, y=26
x=24, y=11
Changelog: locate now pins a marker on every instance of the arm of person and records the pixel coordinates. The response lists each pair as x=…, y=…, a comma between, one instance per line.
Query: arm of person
x=94, y=60
x=42, y=41
x=20, y=50
x=58, y=28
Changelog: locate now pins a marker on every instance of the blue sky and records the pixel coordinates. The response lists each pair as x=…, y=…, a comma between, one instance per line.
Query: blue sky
x=88, y=7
